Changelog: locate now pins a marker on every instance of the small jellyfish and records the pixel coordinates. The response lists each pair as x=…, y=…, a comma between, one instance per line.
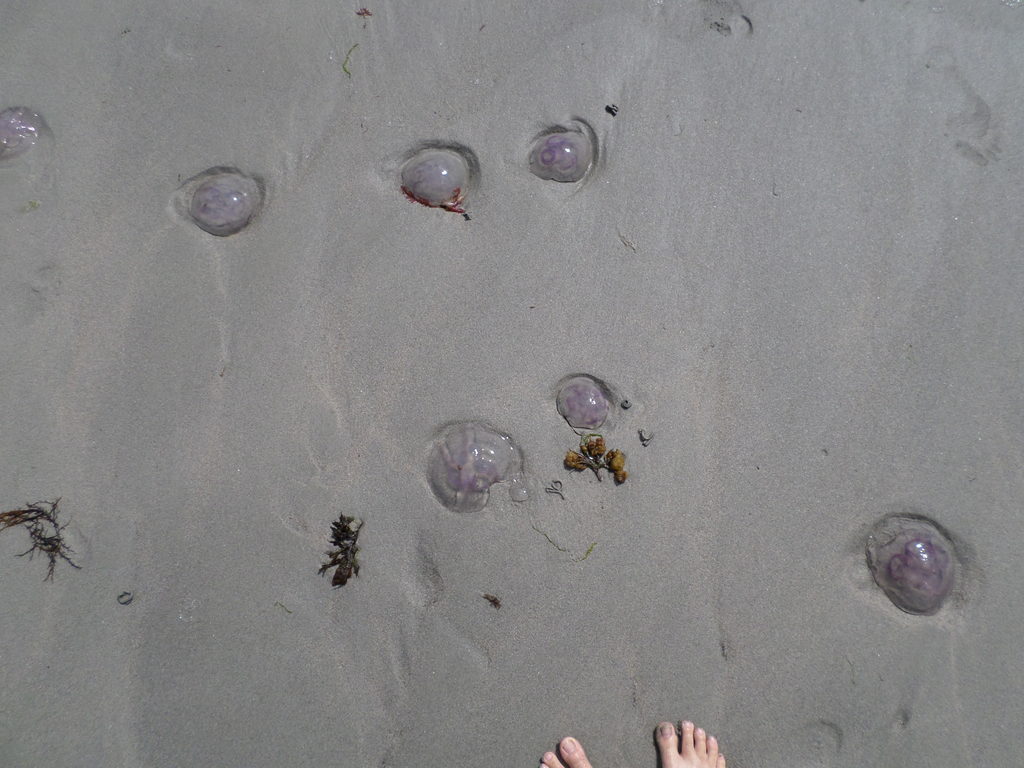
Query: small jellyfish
x=225, y=201
x=913, y=563
x=562, y=155
x=437, y=178
x=582, y=402
x=20, y=130
x=467, y=459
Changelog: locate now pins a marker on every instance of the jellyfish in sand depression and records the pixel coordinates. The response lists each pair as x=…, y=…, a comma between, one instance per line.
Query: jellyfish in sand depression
x=563, y=154
x=583, y=402
x=224, y=201
x=913, y=562
x=468, y=458
x=438, y=177
x=20, y=129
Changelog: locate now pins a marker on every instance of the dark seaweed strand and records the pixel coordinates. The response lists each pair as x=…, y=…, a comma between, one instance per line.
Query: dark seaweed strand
x=35, y=518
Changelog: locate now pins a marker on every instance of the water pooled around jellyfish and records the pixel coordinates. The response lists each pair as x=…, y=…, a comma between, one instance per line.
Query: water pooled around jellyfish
x=223, y=201
x=439, y=177
x=20, y=130
x=467, y=459
x=913, y=562
x=583, y=402
x=562, y=154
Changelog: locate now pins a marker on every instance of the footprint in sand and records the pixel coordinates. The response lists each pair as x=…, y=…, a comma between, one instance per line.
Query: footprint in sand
x=970, y=124
x=822, y=741
x=726, y=17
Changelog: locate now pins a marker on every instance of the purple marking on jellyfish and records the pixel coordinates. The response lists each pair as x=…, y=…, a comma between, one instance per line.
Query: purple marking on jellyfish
x=582, y=402
x=437, y=178
x=20, y=130
x=467, y=459
x=913, y=563
x=564, y=155
x=225, y=202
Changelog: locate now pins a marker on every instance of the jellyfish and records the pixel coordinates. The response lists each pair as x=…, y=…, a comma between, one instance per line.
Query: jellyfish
x=467, y=459
x=562, y=155
x=225, y=201
x=20, y=130
x=913, y=563
x=582, y=402
x=437, y=177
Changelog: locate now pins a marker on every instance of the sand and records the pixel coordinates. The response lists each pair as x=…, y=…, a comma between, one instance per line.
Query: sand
x=798, y=256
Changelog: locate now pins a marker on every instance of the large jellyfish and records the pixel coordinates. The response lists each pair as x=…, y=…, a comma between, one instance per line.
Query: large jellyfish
x=225, y=201
x=467, y=459
x=582, y=402
x=562, y=154
x=438, y=177
x=913, y=563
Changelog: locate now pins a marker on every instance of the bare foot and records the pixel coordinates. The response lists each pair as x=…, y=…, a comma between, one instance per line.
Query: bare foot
x=688, y=748
x=694, y=749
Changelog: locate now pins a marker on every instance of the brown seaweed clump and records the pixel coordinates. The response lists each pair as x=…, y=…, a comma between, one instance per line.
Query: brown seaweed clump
x=344, y=556
x=594, y=455
x=40, y=520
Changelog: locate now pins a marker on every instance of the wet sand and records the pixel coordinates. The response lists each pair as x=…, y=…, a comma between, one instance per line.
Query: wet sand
x=797, y=255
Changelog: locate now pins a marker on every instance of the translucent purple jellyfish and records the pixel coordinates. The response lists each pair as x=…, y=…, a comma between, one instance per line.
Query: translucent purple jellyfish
x=563, y=155
x=467, y=459
x=225, y=201
x=583, y=402
x=437, y=177
x=20, y=130
x=913, y=563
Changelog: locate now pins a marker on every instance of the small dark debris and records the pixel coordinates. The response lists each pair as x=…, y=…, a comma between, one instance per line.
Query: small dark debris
x=363, y=12
x=125, y=598
x=344, y=556
x=750, y=24
x=493, y=600
x=611, y=109
x=625, y=405
x=40, y=520
x=466, y=217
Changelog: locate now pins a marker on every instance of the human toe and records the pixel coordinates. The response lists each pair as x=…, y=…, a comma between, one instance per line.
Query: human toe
x=712, y=751
x=573, y=754
x=668, y=744
x=686, y=739
x=700, y=742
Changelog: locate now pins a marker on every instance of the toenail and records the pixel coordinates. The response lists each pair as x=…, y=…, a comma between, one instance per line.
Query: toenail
x=569, y=746
x=668, y=730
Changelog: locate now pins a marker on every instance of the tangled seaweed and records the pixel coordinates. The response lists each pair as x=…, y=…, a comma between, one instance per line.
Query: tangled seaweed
x=344, y=532
x=40, y=520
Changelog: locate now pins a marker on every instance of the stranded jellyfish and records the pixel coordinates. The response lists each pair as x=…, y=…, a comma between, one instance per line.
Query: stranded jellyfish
x=582, y=402
x=437, y=177
x=467, y=459
x=224, y=201
x=20, y=130
x=912, y=561
x=562, y=155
